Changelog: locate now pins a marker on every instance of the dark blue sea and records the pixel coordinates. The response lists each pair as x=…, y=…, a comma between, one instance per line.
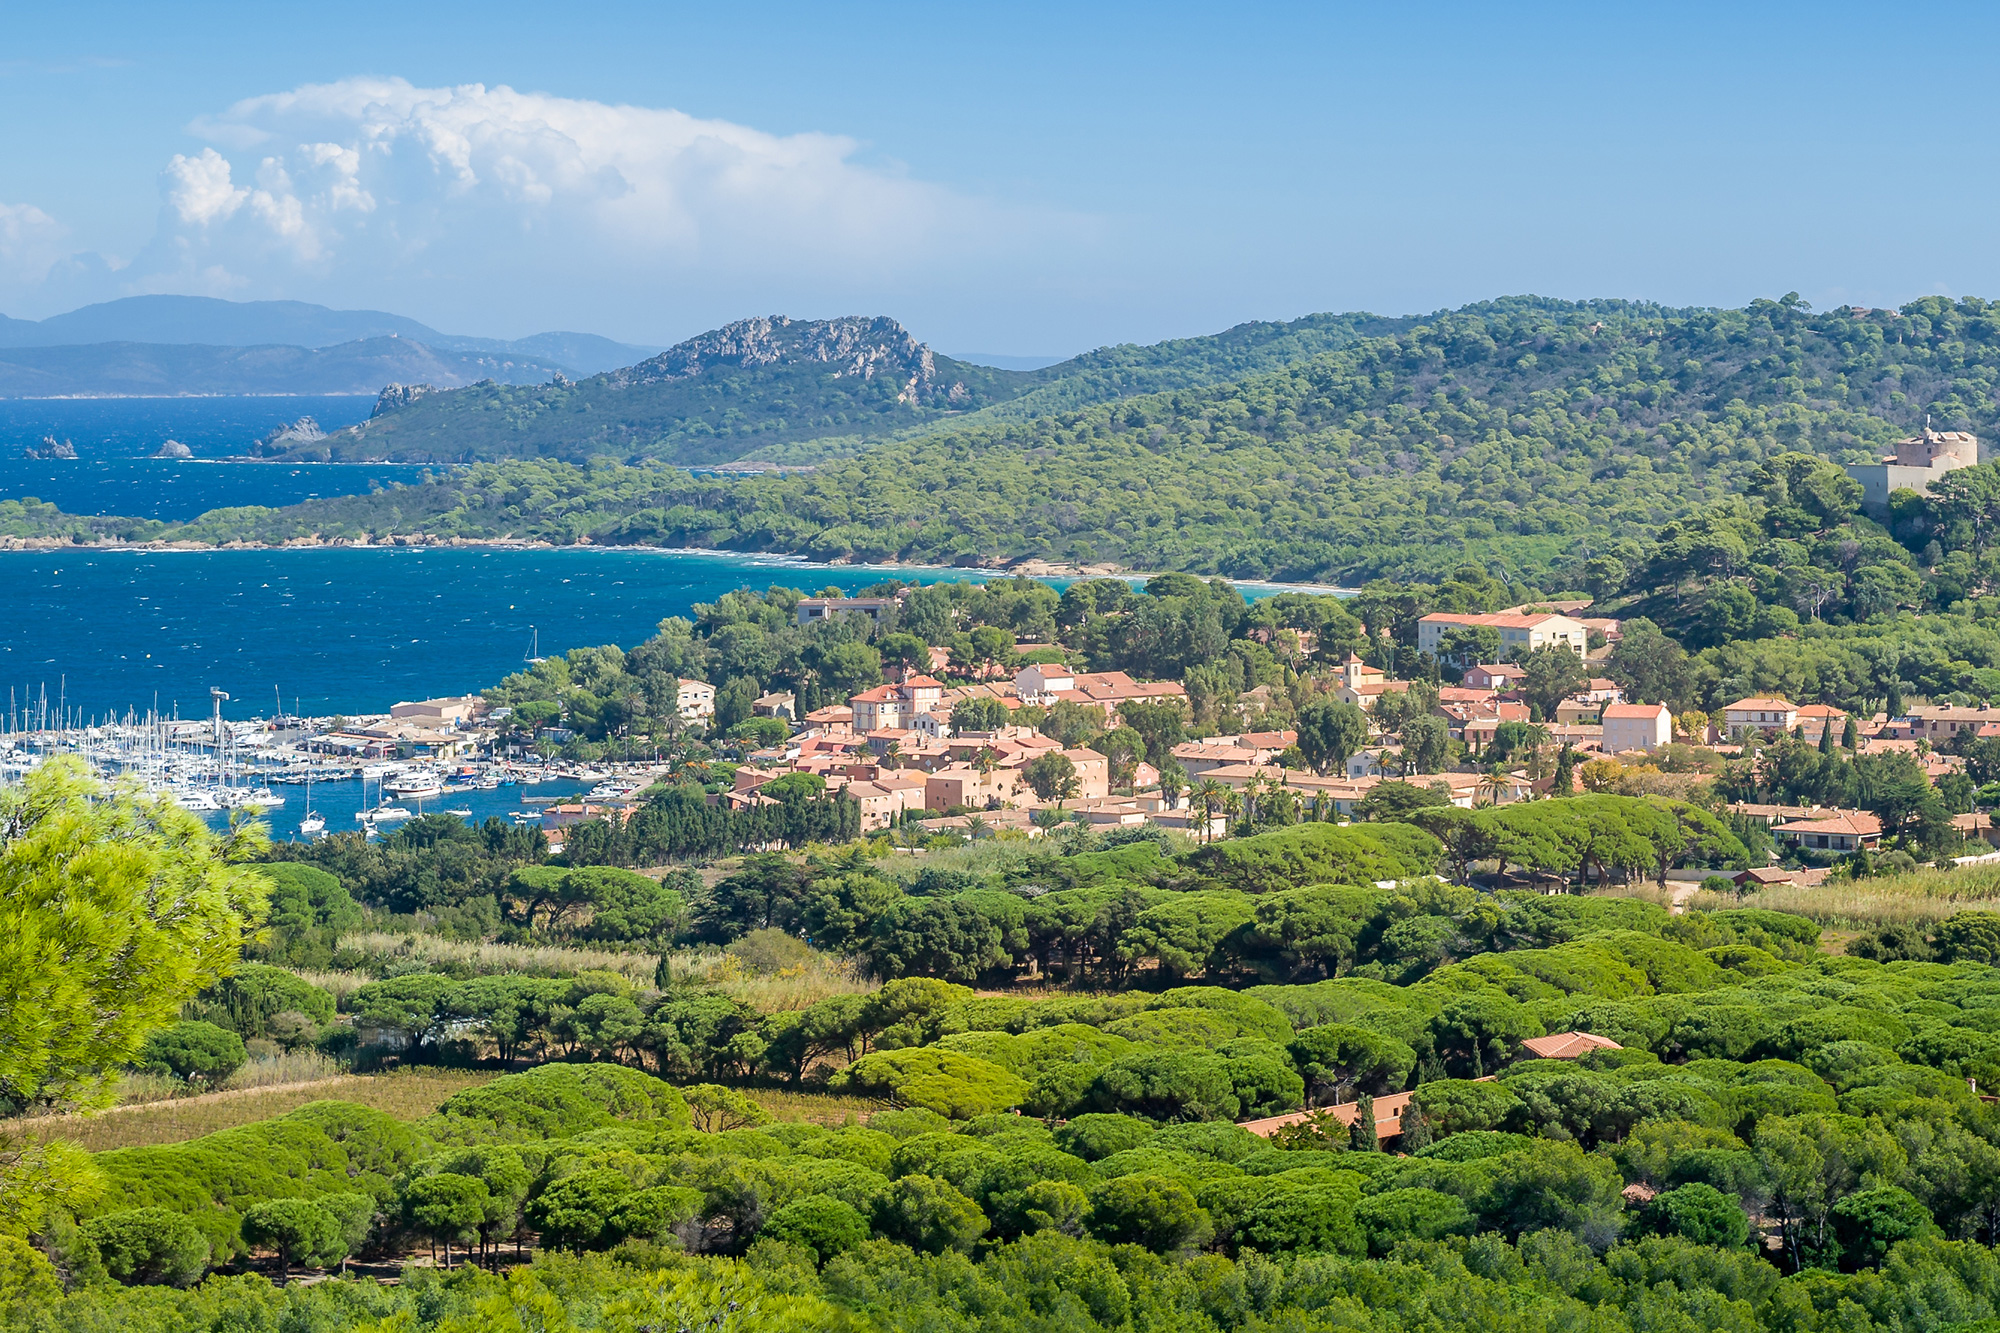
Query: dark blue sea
x=113, y=436
x=330, y=631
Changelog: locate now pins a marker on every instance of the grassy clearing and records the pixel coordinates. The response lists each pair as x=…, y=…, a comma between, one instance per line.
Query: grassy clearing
x=820, y=1108
x=274, y=1071
x=405, y=1094
x=1917, y=898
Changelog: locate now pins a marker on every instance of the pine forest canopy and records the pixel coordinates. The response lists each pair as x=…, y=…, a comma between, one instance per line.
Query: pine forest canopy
x=1524, y=435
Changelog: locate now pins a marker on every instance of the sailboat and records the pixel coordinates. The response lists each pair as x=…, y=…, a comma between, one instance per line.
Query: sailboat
x=534, y=657
x=313, y=824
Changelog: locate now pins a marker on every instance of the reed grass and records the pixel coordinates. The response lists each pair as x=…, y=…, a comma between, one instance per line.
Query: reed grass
x=1646, y=891
x=821, y=976
x=339, y=985
x=406, y=1094
x=1914, y=898
x=382, y=950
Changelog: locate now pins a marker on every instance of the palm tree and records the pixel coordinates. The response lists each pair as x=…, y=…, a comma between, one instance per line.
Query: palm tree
x=976, y=828
x=1207, y=793
x=1491, y=784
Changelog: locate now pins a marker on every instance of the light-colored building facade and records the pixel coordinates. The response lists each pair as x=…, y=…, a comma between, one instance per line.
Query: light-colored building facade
x=1938, y=723
x=695, y=700
x=1629, y=727
x=813, y=609
x=1917, y=462
x=1760, y=714
x=1528, y=632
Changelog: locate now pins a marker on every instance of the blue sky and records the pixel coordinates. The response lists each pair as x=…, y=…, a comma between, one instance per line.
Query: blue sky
x=1027, y=179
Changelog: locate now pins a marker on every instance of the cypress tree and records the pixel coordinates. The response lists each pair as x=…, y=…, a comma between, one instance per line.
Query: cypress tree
x=1416, y=1128
x=1361, y=1134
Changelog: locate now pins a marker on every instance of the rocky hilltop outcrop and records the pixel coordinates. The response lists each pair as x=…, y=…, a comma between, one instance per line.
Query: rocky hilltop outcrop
x=394, y=396
x=855, y=345
x=769, y=388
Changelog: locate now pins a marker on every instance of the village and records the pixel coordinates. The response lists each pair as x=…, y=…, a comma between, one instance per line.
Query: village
x=916, y=752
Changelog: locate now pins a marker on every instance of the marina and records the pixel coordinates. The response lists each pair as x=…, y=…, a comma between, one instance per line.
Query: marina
x=279, y=769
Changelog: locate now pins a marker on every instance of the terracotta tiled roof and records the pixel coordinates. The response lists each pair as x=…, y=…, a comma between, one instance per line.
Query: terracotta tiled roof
x=1568, y=1045
x=1855, y=823
x=1388, y=1116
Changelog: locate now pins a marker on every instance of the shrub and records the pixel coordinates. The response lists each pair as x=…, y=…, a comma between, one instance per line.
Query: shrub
x=655, y=1213
x=823, y=1225
x=928, y=1214
x=321, y=1149
x=247, y=1002
x=1152, y=1211
x=299, y=1230
x=1097, y=1134
x=1703, y=1214
x=575, y=1213
x=1868, y=1222
x=193, y=1050
x=1474, y=1145
x=446, y=1207
x=1317, y=1219
x=1394, y=1216
x=951, y=1084
x=1168, y=1085
x=555, y=1101
x=149, y=1247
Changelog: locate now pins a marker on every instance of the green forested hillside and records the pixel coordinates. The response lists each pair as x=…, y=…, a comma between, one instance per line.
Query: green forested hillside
x=750, y=389
x=1526, y=435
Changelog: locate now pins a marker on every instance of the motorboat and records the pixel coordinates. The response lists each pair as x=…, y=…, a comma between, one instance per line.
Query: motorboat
x=415, y=787
x=386, y=814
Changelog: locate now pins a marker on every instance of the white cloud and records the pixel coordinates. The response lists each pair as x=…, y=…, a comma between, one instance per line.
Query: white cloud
x=33, y=245
x=200, y=190
x=373, y=189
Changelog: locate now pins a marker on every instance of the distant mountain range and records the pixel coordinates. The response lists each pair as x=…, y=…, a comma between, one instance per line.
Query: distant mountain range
x=201, y=345
x=170, y=370
x=777, y=390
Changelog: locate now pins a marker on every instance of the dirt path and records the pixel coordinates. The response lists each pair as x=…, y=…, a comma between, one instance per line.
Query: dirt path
x=231, y=1094
x=1683, y=890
